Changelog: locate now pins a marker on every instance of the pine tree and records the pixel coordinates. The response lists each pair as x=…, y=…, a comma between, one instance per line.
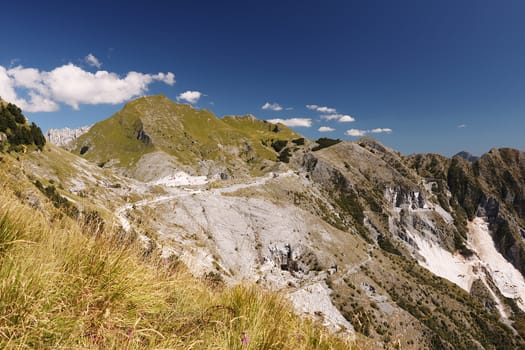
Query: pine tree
x=38, y=138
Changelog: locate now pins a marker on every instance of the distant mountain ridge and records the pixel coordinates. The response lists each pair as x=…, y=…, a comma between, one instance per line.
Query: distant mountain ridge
x=469, y=157
x=64, y=136
x=413, y=252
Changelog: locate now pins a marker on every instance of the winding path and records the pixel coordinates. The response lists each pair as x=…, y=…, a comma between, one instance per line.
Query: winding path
x=178, y=192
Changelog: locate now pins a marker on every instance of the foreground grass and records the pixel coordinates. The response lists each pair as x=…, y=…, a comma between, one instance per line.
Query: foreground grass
x=64, y=285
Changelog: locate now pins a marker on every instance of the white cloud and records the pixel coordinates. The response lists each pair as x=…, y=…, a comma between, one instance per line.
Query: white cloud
x=93, y=61
x=304, y=122
x=71, y=85
x=321, y=109
x=190, y=96
x=7, y=90
x=381, y=130
x=326, y=110
x=39, y=103
x=325, y=129
x=330, y=116
x=330, y=113
x=461, y=126
x=29, y=78
x=343, y=118
x=355, y=132
x=272, y=106
x=166, y=78
x=346, y=119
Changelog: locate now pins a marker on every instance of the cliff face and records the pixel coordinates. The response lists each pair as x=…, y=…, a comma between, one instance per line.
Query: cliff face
x=461, y=220
x=492, y=187
x=63, y=137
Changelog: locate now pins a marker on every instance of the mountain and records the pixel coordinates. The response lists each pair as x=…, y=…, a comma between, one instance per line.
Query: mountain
x=70, y=278
x=154, y=130
x=469, y=157
x=62, y=137
x=411, y=252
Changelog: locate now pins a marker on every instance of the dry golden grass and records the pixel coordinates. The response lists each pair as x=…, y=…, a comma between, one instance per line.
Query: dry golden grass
x=68, y=286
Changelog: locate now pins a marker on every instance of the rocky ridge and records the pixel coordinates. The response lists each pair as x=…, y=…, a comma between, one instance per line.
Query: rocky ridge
x=64, y=136
x=415, y=252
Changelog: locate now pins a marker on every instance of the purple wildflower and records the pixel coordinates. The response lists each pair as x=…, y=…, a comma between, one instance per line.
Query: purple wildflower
x=244, y=339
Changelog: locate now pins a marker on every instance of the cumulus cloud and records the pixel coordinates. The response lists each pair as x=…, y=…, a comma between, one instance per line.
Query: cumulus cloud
x=325, y=129
x=346, y=119
x=29, y=78
x=355, y=132
x=461, y=126
x=304, y=122
x=343, y=118
x=93, y=61
x=329, y=113
x=166, y=78
x=381, y=131
x=7, y=90
x=272, y=106
x=326, y=110
x=39, y=103
x=321, y=109
x=358, y=132
x=190, y=96
x=43, y=91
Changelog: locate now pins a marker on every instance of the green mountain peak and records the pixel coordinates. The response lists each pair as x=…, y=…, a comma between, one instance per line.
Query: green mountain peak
x=188, y=135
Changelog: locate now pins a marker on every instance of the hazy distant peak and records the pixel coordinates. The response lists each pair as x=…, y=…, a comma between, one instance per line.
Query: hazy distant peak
x=466, y=156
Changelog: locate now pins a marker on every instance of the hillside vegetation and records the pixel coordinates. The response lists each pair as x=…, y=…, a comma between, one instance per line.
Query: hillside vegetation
x=15, y=132
x=73, y=284
x=182, y=133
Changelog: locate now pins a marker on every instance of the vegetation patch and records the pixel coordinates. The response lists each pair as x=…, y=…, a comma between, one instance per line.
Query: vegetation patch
x=325, y=142
x=299, y=141
x=285, y=155
x=58, y=201
x=385, y=244
x=15, y=131
x=465, y=189
x=279, y=145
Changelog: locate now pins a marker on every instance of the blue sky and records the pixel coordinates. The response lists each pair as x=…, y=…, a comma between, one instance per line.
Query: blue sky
x=420, y=76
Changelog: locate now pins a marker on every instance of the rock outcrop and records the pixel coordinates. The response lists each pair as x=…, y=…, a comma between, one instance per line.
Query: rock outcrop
x=62, y=137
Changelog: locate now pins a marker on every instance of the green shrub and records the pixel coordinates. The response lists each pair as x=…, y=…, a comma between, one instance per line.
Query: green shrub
x=325, y=142
x=299, y=141
x=279, y=145
x=285, y=155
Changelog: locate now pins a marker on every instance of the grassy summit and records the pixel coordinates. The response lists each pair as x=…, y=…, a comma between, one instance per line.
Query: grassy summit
x=156, y=123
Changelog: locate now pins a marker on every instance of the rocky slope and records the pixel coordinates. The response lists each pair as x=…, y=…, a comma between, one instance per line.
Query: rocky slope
x=418, y=252
x=62, y=137
x=153, y=130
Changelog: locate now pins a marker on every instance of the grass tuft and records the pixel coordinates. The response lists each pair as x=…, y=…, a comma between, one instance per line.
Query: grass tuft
x=74, y=285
